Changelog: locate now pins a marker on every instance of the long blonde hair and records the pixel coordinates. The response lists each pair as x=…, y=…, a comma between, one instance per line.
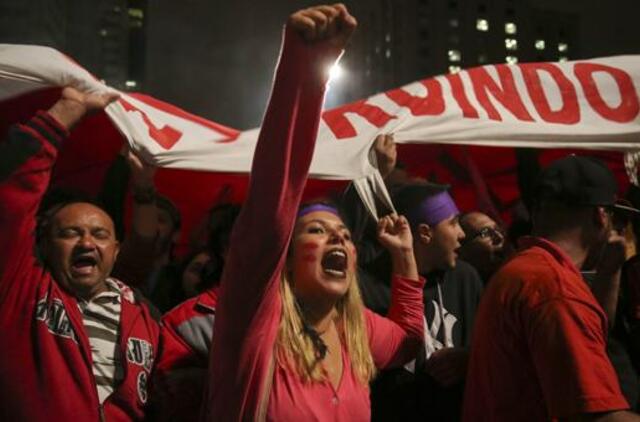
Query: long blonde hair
x=297, y=351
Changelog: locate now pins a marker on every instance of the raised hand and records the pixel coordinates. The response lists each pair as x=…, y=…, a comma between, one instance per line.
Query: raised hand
x=142, y=173
x=73, y=105
x=394, y=233
x=332, y=24
x=386, y=153
x=613, y=255
x=606, y=283
x=90, y=101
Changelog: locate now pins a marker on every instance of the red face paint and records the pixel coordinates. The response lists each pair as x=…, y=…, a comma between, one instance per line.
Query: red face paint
x=309, y=258
x=309, y=246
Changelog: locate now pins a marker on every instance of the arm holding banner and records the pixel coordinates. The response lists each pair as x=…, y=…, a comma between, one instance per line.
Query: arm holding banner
x=360, y=222
x=137, y=255
x=27, y=157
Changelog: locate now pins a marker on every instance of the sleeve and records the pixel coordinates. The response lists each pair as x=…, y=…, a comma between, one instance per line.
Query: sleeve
x=567, y=341
x=396, y=339
x=26, y=158
x=249, y=304
x=178, y=379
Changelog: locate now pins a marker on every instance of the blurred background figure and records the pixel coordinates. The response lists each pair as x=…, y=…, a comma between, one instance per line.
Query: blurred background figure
x=484, y=246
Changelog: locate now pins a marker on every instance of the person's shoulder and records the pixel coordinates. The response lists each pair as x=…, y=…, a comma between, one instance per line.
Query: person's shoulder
x=200, y=305
x=531, y=263
x=532, y=275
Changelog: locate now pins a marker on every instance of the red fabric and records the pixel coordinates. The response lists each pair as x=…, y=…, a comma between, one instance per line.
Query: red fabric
x=495, y=166
x=45, y=362
x=539, y=346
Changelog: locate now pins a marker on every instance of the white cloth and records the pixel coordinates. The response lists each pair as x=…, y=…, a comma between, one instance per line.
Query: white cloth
x=591, y=104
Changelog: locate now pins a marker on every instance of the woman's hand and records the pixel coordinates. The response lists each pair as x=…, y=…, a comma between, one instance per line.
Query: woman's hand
x=394, y=233
x=332, y=24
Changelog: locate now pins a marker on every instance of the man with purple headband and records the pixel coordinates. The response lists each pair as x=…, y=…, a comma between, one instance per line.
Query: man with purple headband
x=451, y=297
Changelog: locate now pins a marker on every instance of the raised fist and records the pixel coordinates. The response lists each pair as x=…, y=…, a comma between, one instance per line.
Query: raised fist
x=332, y=24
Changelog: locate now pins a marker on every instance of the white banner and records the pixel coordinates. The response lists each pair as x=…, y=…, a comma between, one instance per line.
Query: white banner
x=582, y=104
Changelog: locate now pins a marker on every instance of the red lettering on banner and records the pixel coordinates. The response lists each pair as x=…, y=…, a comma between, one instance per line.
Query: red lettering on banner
x=459, y=94
x=166, y=136
x=629, y=104
x=569, y=114
x=342, y=127
x=506, y=93
x=432, y=104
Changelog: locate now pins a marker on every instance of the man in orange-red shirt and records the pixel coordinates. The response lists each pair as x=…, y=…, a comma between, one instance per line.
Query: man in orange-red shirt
x=539, y=347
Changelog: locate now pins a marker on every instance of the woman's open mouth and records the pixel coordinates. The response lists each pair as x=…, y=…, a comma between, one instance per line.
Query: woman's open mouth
x=334, y=263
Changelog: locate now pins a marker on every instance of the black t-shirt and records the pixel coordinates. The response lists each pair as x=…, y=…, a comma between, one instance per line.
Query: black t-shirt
x=401, y=395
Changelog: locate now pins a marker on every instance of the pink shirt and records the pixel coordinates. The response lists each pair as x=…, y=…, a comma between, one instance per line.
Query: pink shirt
x=391, y=345
x=244, y=383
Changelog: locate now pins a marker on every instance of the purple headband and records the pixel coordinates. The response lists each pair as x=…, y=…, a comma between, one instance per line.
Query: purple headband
x=433, y=209
x=317, y=207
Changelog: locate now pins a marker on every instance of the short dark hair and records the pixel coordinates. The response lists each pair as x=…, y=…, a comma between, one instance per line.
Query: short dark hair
x=462, y=219
x=54, y=201
x=165, y=204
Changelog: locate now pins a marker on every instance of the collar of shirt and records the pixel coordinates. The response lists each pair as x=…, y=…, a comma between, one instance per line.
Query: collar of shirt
x=553, y=249
x=112, y=294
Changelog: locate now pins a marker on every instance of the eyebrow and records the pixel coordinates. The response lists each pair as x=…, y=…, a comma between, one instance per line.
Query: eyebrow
x=323, y=223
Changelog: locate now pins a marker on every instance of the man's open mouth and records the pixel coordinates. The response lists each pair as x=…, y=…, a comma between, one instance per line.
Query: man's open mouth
x=83, y=264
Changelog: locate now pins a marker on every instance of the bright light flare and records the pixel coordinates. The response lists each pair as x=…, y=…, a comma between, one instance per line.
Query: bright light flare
x=335, y=72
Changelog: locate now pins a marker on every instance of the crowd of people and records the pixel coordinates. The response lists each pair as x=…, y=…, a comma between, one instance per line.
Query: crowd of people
x=285, y=311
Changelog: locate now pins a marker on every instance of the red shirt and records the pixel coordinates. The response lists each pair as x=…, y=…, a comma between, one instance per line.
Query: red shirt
x=46, y=368
x=538, y=351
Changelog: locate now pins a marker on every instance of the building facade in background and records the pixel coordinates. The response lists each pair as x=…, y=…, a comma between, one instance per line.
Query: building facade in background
x=107, y=37
x=404, y=41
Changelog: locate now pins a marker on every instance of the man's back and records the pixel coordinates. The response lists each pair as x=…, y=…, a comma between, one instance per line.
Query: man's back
x=539, y=343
